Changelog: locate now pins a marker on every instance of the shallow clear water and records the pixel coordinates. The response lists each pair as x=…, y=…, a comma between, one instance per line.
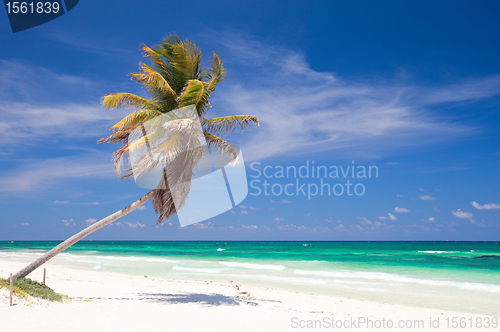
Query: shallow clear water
x=462, y=276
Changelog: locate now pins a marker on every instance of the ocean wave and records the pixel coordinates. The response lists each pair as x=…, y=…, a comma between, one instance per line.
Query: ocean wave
x=439, y=252
x=254, y=266
x=191, y=269
x=98, y=258
x=283, y=279
x=400, y=279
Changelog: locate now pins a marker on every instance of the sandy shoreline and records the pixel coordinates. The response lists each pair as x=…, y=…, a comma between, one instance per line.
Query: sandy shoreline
x=118, y=302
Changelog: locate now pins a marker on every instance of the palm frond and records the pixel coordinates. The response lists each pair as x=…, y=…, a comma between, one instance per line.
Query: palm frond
x=157, y=61
x=216, y=73
x=153, y=80
x=124, y=99
x=184, y=61
x=194, y=93
x=227, y=124
x=217, y=143
x=118, y=136
x=136, y=118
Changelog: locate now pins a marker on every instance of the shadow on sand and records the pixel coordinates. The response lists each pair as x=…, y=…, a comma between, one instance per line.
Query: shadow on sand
x=206, y=299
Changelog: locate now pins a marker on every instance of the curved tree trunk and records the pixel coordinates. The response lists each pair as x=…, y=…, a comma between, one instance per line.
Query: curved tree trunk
x=77, y=237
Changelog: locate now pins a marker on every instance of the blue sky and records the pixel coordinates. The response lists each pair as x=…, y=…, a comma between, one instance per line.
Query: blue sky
x=411, y=88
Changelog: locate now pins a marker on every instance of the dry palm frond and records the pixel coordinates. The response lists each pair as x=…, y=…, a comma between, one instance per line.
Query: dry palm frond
x=216, y=143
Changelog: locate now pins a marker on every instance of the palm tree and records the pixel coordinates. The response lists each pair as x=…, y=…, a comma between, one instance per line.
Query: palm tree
x=175, y=79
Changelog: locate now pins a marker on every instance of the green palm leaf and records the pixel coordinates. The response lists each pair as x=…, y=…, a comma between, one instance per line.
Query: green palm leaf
x=123, y=99
x=227, y=124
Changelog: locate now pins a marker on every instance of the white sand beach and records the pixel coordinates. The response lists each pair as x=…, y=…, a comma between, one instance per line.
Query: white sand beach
x=117, y=302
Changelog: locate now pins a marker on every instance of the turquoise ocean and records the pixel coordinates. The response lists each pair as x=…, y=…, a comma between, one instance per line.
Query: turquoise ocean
x=461, y=276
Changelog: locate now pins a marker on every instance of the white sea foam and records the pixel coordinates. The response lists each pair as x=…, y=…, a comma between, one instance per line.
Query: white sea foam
x=283, y=279
x=220, y=249
x=438, y=252
x=254, y=266
x=191, y=269
x=120, y=258
x=400, y=279
x=100, y=258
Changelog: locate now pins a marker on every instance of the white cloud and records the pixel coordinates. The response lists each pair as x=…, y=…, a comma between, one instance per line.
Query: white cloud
x=242, y=207
x=135, y=225
x=401, y=210
x=307, y=215
x=68, y=223
x=392, y=217
x=42, y=174
x=285, y=201
x=25, y=224
x=427, y=198
x=57, y=202
x=278, y=219
x=432, y=219
x=400, y=195
x=461, y=214
x=365, y=221
x=244, y=212
x=325, y=108
x=38, y=118
x=90, y=221
x=251, y=227
x=490, y=206
x=142, y=207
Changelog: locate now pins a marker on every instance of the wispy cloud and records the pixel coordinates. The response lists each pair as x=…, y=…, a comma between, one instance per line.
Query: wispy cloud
x=49, y=106
x=302, y=110
x=401, y=210
x=461, y=214
x=390, y=216
x=427, y=198
x=490, y=206
x=57, y=202
x=41, y=174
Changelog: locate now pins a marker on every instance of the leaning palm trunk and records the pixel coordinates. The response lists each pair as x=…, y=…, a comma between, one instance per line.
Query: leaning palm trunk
x=77, y=237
